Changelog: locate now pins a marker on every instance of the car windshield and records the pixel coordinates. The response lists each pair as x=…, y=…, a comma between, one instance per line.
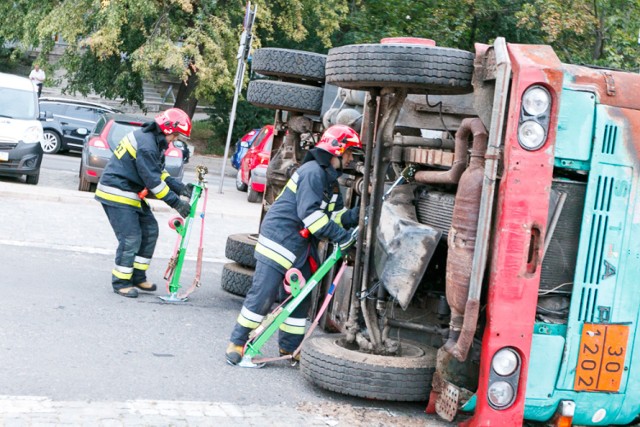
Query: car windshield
x=17, y=104
x=118, y=131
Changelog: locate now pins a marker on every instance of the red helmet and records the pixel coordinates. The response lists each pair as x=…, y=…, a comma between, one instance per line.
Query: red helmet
x=174, y=120
x=339, y=138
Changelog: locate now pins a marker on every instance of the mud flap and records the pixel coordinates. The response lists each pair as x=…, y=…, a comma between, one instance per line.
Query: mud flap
x=404, y=247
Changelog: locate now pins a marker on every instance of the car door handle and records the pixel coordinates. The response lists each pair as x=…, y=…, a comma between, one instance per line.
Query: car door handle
x=64, y=123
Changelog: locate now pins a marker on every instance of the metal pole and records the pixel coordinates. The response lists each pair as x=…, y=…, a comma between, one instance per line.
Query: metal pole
x=243, y=53
x=232, y=119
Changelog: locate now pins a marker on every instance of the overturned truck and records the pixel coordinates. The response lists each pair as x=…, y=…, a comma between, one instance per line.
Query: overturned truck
x=501, y=282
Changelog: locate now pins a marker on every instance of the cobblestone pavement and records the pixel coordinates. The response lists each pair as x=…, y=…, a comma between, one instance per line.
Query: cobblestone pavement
x=18, y=411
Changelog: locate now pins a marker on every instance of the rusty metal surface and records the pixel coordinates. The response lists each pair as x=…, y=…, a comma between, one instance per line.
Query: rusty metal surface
x=464, y=224
x=605, y=84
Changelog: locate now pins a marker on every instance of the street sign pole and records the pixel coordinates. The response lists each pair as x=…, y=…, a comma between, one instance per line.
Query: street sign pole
x=243, y=54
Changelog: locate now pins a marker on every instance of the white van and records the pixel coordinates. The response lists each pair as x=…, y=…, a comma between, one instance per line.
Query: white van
x=20, y=129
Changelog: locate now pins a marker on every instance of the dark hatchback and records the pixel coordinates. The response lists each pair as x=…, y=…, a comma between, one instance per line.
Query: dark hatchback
x=106, y=136
x=71, y=123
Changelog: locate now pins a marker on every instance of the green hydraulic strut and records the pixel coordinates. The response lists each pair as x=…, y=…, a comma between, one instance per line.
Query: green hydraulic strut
x=272, y=322
x=183, y=228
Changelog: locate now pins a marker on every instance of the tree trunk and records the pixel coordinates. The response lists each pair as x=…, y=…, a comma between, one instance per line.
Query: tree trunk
x=186, y=99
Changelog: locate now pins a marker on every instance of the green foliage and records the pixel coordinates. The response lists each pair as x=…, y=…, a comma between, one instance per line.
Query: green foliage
x=247, y=117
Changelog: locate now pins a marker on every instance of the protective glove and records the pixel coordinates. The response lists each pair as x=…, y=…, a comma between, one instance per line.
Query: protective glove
x=349, y=240
x=183, y=208
x=187, y=191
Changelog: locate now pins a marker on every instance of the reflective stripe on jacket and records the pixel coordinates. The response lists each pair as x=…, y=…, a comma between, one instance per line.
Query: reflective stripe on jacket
x=138, y=163
x=307, y=201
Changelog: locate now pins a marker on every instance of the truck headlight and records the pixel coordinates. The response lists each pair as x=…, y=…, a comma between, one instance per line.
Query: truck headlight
x=505, y=362
x=536, y=100
x=531, y=135
x=535, y=114
x=500, y=394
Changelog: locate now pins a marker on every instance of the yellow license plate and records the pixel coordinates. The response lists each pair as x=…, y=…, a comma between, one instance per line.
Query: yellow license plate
x=601, y=357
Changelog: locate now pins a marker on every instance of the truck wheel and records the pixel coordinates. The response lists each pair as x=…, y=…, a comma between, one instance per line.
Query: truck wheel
x=285, y=96
x=236, y=279
x=420, y=68
x=240, y=248
x=292, y=64
x=327, y=363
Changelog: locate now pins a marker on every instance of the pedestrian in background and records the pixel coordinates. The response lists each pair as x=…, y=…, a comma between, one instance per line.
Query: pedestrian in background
x=136, y=168
x=308, y=209
x=37, y=77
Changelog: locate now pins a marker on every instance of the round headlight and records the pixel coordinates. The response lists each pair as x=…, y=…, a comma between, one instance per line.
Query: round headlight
x=531, y=135
x=536, y=100
x=505, y=362
x=500, y=394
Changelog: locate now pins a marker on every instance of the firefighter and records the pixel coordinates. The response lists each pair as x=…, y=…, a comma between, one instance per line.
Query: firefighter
x=135, y=169
x=308, y=209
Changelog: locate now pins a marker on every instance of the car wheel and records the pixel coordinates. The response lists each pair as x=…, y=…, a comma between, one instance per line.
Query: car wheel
x=285, y=96
x=51, y=143
x=236, y=279
x=292, y=64
x=252, y=195
x=240, y=248
x=33, y=179
x=420, y=68
x=240, y=186
x=83, y=184
x=333, y=364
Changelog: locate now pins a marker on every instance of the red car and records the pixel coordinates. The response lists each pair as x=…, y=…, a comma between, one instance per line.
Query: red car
x=105, y=137
x=252, y=175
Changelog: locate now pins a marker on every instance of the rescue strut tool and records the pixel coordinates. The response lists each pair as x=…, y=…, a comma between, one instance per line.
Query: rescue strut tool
x=299, y=291
x=183, y=228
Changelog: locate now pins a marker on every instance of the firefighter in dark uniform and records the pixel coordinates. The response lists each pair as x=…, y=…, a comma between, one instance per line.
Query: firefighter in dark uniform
x=136, y=168
x=310, y=201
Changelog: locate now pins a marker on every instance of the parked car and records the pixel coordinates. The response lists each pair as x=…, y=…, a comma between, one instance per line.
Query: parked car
x=20, y=131
x=106, y=136
x=252, y=175
x=242, y=146
x=72, y=121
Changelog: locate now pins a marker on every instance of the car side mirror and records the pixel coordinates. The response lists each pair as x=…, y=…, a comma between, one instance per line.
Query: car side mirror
x=244, y=144
x=178, y=144
x=82, y=131
x=45, y=116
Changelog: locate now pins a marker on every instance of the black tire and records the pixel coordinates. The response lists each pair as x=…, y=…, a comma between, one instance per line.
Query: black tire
x=236, y=279
x=252, y=195
x=240, y=186
x=240, y=248
x=33, y=179
x=417, y=67
x=329, y=365
x=52, y=142
x=293, y=64
x=83, y=184
x=285, y=96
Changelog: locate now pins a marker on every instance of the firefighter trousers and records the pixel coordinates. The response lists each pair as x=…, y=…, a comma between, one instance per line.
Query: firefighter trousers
x=137, y=233
x=266, y=287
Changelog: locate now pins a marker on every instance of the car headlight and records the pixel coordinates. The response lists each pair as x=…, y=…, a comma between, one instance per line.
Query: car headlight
x=500, y=394
x=32, y=135
x=536, y=100
x=505, y=362
x=531, y=135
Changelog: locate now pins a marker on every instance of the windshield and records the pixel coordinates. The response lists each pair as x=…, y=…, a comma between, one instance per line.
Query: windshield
x=18, y=104
x=118, y=131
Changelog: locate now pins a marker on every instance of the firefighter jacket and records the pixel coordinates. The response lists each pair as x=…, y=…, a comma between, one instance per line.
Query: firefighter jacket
x=138, y=163
x=311, y=199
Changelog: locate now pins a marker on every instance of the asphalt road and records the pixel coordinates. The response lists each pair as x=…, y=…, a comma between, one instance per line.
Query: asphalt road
x=66, y=336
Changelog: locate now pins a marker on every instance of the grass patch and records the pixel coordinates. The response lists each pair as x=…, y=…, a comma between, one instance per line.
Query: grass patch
x=202, y=139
